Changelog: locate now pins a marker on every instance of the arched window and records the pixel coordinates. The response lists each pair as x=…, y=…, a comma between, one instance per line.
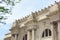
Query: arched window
x=46, y=33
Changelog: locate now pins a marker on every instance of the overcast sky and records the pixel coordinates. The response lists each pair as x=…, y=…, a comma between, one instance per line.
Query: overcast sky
x=24, y=8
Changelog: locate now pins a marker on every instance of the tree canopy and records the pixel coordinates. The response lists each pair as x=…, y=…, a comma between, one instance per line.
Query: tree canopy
x=6, y=8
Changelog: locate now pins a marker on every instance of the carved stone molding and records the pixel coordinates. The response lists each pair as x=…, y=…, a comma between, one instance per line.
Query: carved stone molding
x=54, y=22
x=32, y=27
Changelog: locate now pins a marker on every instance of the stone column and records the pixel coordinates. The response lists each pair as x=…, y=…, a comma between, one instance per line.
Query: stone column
x=32, y=34
x=55, y=30
x=28, y=35
x=52, y=29
x=58, y=30
x=15, y=36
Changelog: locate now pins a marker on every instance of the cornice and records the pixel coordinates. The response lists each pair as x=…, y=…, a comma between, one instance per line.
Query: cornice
x=33, y=15
x=39, y=12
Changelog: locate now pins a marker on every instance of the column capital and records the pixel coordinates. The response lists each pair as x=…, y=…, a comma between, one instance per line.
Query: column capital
x=32, y=27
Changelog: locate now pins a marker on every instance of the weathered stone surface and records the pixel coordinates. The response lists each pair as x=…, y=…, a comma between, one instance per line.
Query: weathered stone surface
x=33, y=27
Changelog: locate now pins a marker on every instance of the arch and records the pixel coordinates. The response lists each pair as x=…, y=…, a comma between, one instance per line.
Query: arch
x=46, y=33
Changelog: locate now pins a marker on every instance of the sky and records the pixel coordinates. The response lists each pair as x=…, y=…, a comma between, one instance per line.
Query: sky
x=22, y=9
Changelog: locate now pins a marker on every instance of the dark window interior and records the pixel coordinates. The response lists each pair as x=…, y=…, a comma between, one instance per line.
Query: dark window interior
x=13, y=35
x=49, y=33
x=25, y=37
x=46, y=33
x=43, y=34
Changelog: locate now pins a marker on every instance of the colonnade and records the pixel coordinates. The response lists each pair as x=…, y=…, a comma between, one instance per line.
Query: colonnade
x=30, y=34
x=56, y=32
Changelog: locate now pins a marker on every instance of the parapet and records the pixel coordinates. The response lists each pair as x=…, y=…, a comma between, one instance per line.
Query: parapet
x=37, y=13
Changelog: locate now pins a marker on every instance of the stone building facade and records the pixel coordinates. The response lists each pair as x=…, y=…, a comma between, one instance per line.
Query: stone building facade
x=41, y=25
x=8, y=36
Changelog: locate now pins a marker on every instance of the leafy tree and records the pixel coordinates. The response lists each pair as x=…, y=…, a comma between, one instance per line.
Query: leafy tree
x=6, y=8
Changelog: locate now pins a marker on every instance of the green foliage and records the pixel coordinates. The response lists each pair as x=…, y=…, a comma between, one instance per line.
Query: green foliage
x=8, y=1
x=4, y=10
x=1, y=17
